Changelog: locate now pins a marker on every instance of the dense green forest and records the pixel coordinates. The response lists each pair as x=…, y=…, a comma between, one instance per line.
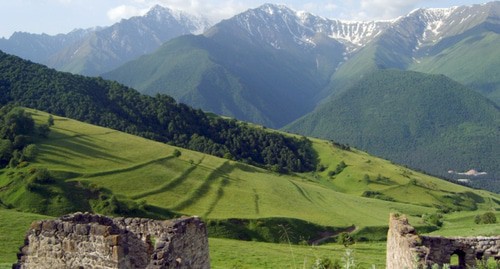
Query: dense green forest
x=160, y=118
x=427, y=122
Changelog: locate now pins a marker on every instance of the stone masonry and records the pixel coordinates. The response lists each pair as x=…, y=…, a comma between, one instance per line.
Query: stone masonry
x=84, y=240
x=406, y=249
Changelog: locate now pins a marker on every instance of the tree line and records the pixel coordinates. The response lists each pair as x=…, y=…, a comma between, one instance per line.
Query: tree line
x=161, y=118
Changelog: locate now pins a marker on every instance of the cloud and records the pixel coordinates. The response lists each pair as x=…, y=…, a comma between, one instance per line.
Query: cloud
x=124, y=12
x=212, y=9
x=215, y=10
x=384, y=9
x=222, y=9
x=331, y=7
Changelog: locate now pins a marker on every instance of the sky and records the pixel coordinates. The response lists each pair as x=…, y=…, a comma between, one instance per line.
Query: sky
x=62, y=16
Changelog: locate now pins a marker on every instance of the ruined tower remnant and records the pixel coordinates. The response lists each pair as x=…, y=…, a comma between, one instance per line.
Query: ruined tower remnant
x=84, y=240
x=406, y=249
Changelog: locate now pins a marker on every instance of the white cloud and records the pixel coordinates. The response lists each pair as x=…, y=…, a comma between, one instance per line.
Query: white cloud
x=216, y=10
x=331, y=7
x=384, y=9
x=223, y=9
x=124, y=12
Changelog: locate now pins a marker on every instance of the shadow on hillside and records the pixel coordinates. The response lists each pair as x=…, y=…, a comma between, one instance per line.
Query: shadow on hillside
x=78, y=147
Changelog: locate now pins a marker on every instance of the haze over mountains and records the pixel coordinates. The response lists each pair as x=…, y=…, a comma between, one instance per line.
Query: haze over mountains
x=298, y=58
x=269, y=65
x=286, y=69
x=94, y=51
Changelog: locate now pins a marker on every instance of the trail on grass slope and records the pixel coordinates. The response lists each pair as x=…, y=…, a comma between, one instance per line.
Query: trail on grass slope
x=204, y=187
x=127, y=169
x=171, y=184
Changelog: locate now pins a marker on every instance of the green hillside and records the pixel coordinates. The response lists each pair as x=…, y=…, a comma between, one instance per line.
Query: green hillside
x=413, y=119
x=13, y=227
x=161, y=118
x=473, y=61
x=107, y=171
x=193, y=183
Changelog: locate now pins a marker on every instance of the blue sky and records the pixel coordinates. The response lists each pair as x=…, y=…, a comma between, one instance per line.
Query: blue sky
x=62, y=16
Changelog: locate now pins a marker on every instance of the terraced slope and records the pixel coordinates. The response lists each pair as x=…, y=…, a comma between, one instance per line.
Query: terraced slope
x=193, y=183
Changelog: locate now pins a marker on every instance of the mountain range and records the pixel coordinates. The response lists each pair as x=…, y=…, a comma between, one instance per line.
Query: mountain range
x=286, y=69
x=293, y=70
x=459, y=42
x=101, y=49
x=268, y=65
x=272, y=65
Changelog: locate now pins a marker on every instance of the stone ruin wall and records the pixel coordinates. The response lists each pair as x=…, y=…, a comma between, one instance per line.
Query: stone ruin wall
x=84, y=240
x=406, y=249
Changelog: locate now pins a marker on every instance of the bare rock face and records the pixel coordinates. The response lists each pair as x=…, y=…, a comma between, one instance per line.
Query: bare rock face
x=84, y=240
x=406, y=249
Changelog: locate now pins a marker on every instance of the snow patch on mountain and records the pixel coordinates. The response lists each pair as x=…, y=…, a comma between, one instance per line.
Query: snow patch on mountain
x=434, y=19
x=272, y=23
x=356, y=34
x=276, y=25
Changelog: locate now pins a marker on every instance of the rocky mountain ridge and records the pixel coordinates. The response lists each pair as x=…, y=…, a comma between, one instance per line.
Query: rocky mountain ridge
x=97, y=50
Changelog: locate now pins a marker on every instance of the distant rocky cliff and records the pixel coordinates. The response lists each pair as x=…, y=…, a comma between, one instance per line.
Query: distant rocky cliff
x=84, y=240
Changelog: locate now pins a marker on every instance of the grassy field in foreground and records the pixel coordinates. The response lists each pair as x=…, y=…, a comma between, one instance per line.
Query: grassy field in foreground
x=226, y=253
x=13, y=227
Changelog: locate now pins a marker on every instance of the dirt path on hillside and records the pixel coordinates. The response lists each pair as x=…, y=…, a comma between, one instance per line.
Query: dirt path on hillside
x=327, y=235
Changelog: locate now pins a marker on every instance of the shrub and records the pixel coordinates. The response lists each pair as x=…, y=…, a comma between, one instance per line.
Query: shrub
x=40, y=176
x=488, y=218
x=345, y=239
x=43, y=130
x=30, y=152
x=177, y=153
x=50, y=121
x=321, y=167
x=435, y=219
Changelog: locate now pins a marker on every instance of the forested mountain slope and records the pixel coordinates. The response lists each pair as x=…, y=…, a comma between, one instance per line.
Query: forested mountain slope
x=424, y=121
x=160, y=118
x=266, y=65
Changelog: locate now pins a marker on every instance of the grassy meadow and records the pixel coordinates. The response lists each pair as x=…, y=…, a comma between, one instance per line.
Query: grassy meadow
x=83, y=158
x=13, y=227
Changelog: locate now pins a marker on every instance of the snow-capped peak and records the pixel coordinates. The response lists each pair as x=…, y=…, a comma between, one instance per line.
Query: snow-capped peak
x=423, y=28
x=196, y=23
x=277, y=24
x=266, y=21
